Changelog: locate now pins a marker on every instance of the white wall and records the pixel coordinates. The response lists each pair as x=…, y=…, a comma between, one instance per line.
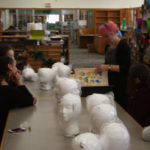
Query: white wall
x=71, y=3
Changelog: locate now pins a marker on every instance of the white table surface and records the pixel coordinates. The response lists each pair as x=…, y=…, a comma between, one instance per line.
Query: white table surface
x=46, y=133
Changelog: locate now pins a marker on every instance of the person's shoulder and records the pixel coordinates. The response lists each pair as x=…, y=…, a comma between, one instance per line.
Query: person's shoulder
x=4, y=87
x=122, y=42
x=123, y=45
x=7, y=88
x=143, y=90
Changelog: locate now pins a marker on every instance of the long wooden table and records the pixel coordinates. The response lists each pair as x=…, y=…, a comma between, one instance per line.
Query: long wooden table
x=46, y=133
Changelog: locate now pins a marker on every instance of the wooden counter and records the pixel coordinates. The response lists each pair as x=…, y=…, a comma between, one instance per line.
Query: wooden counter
x=53, y=51
x=48, y=51
x=84, y=40
x=13, y=36
x=85, y=36
x=14, y=31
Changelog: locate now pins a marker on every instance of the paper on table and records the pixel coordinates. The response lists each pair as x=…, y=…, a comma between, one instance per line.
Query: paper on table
x=89, y=77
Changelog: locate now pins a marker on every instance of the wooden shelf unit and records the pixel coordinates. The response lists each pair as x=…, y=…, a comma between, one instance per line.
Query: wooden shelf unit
x=102, y=16
x=53, y=51
x=50, y=52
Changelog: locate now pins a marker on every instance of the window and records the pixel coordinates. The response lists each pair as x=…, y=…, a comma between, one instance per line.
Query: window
x=52, y=18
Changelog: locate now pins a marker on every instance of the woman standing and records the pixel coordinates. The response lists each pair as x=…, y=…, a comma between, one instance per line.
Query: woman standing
x=117, y=61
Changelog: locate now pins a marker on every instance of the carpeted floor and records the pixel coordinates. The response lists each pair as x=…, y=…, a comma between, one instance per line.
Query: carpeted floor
x=81, y=58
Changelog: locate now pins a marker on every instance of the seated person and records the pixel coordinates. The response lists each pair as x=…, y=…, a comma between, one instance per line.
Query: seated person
x=11, y=96
x=6, y=50
x=139, y=93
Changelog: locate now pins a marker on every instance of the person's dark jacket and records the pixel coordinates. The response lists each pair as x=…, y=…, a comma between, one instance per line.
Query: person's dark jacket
x=12, y=97
x=119, y=79
x=139, y=105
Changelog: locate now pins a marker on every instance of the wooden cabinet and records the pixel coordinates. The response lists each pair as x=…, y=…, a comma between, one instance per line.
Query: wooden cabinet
x=100, y=44
x=85, y=36
x=103, y=16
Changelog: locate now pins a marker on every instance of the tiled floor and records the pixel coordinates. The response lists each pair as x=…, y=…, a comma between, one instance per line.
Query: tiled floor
x=80, y=58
